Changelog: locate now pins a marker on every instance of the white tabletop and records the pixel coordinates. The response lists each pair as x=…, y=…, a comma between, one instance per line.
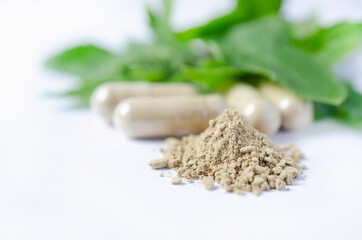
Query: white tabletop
x=66, y=175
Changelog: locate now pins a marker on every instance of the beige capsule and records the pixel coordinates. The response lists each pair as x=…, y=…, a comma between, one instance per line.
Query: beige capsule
x=260, y=113
x=296, y=113
x=106, y=97
x=147, y=117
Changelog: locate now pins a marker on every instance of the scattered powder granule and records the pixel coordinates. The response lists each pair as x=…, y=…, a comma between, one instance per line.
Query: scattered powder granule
x=239, y=192
x=176, y=180
x=208, y=182
x=233, y=154
x=158, y=163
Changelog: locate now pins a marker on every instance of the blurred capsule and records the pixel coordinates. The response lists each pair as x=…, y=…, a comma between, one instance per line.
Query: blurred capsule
x=296, y=113
x=260, y=113
x=105, y=98
x=146, y=117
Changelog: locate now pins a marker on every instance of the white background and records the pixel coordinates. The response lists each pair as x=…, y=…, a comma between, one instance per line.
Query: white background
x=66, y=175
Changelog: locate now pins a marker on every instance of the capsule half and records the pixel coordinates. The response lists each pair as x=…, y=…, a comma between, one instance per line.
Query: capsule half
x=259, y=112
x=147, y=117
x=296, y=113
x=106, y=97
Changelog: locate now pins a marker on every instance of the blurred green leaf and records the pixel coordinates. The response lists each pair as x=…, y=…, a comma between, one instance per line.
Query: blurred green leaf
x=214, y=79
x=322, y=111
x=305, y=29
x=263, y=47
x=350, y=112
x=87, y=60
x=159, y=22
x=244, y=11
x=330, y=45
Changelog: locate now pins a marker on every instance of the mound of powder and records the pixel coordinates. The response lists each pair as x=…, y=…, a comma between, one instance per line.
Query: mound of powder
x=233, y=154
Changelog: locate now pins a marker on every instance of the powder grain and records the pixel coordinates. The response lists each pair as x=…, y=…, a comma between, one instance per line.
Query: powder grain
x=176, y=180
x=208, y=182
x=233, y=154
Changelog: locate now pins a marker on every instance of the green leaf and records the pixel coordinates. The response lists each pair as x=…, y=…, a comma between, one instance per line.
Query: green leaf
x=84, y=60
x=263, y=47
x=245, y=10
x=330, y=45
x=305, y=29
x=159, y=22
x=350, y=112
x=155, y=62
x=214, y=79
x=322, y=111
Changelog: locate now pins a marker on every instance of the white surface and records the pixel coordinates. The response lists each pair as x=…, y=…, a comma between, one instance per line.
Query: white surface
x=65, y=175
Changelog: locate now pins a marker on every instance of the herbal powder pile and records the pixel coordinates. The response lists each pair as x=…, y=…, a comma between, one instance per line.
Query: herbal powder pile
x=233, y=154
